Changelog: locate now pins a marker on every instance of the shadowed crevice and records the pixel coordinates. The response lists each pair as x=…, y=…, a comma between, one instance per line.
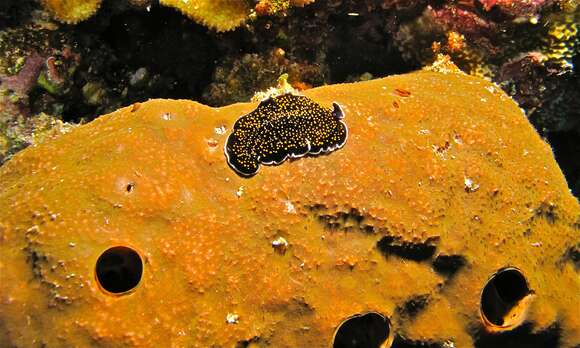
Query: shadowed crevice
x=448, y=265
x=351, y=220
x=415, y=251
x=402, y=342
x=247, y=343
x=546, y=211
x=572, y=254
x=521, y=337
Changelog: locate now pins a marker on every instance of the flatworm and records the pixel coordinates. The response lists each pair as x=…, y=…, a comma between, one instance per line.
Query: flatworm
x=282, y=127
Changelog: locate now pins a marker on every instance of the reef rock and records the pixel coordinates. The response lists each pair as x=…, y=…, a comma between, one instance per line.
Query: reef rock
x=443, y=220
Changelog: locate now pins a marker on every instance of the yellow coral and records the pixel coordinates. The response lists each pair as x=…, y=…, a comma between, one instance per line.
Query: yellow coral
x=569, y=6
x=444, y=218
x=72, y=11
x=47, y=127
x=221, y=15
x=271, y=7
x=560, y=45
x=470, y=59
x=443, y=64
x=282, y=87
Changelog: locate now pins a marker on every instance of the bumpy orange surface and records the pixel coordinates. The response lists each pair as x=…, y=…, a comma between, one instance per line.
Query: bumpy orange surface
x=441, y=183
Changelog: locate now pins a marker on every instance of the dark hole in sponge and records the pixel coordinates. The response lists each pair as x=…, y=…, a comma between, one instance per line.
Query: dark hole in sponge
x=119, y=269
x=130, y=187
x=370, y=330
x=501, y=294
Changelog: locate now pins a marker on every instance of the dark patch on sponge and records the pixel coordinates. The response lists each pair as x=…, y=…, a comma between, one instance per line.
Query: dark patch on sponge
x=572, y=255
x=448, y=265
x=347, y=220
x=416, y=251
x=286, y=126
x=546, y=211
x=35, y=260
x=414, y=305
x=247, y=343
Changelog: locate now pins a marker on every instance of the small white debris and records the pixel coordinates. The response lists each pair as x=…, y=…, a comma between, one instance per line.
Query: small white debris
x=232, y=318
x=448, y=344
x=72, y=245
x=423, y=131
x=240, y=191
x=353, y=14
x=280, y=245
x=470, y=186
x=536, y=244
x=490, y=89
x=290, y=207
x=33, y=230
x=166, y=116
x=221, y=130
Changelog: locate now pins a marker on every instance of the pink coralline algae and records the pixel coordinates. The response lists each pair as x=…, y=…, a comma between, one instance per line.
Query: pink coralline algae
x=517, y=8
x=462, y=20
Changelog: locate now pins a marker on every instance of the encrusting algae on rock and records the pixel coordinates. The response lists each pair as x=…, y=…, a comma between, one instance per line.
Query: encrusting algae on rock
x=442, y=221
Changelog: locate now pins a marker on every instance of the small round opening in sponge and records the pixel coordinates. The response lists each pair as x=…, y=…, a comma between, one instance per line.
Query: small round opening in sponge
x=504, y=299
x=119, y=270
x=368, y=330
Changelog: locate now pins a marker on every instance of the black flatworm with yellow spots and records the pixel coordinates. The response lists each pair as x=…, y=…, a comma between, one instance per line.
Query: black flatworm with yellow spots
x=286, y=126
